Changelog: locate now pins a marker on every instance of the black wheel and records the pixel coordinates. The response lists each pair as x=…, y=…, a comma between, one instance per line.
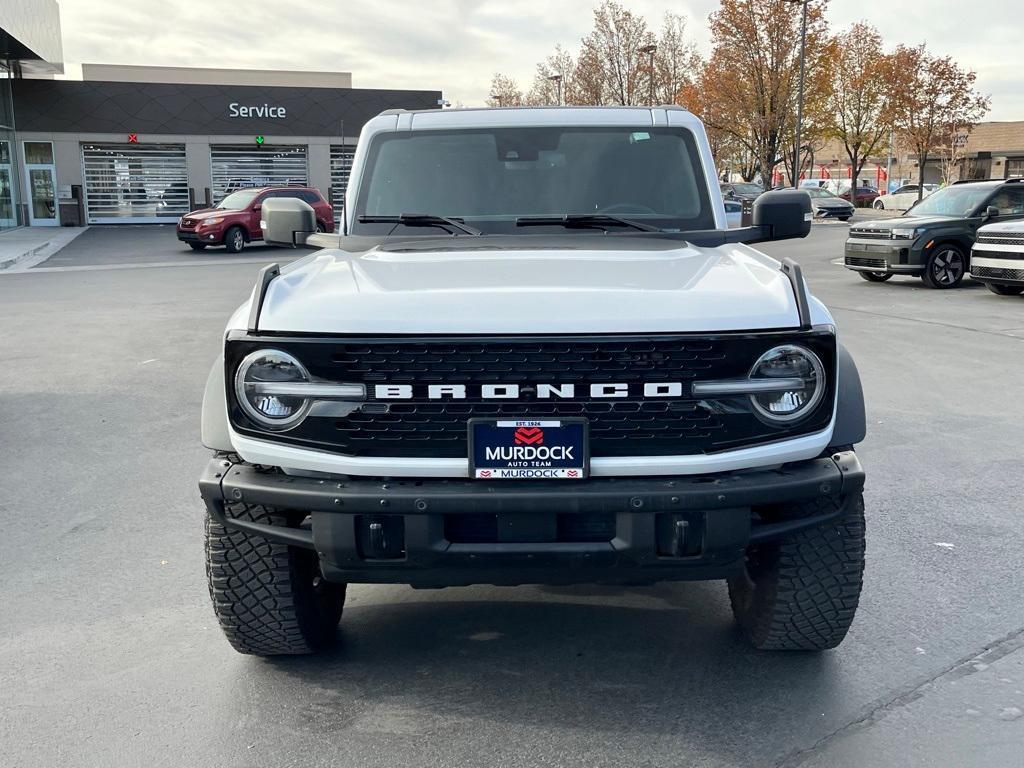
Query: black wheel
x=1005, y=290
x=801, y=593
x=234, y=240
x=945, y=267
x=197, y=246
x=875, y=277
x=878, y=205
x=320, y=227
x=269, y=598
x=844, y=218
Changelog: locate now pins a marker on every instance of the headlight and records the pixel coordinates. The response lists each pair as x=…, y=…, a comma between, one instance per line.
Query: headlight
x=904, y=234
x=206, y=222
x=800, y=383
x=258, y=389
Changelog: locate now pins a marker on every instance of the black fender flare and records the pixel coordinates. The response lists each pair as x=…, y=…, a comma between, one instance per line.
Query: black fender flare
x=851, y=419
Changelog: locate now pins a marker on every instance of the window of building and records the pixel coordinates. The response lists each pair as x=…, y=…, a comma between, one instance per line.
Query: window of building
x=1015, y=168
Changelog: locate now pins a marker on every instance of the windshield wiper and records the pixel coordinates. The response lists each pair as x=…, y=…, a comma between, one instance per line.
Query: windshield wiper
x=585, y=220
x=421, y=219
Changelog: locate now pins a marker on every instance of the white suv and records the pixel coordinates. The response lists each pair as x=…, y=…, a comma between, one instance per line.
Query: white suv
x=997, y=259
x=536, y=354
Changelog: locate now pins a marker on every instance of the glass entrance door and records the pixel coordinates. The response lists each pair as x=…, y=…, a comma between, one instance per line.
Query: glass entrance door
x=8, y=216
x=41, y=183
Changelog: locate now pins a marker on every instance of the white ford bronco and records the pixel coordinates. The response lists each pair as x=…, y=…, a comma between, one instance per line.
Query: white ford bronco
x=535, y=354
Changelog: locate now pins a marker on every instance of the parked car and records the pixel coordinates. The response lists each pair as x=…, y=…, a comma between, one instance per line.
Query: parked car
x=534, y=373
x=865, y=197
x=997, y=259
x=828, y=206
x=903, y=198
x=733, y=213
x=741, y=190
x=933, y=240
x=235, y=220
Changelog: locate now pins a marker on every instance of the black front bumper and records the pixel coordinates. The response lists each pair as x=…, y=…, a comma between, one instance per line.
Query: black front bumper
x=648, y=529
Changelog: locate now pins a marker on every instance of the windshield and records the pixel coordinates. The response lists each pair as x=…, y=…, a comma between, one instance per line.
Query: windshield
x=492, y=177
x=818, y=192
x=748, y=189
x=952, y=201
x=238, y=201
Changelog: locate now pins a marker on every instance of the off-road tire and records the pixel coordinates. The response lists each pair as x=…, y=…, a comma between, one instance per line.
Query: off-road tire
x=801, y=593
x=1005, y=290
x=875, y=277
x=234, y=240
x=197, y=246
x=268, y=597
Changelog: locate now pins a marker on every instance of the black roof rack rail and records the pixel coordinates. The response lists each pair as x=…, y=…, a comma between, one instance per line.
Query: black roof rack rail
x=267, y=274
x=795, y=274
x=989, y=181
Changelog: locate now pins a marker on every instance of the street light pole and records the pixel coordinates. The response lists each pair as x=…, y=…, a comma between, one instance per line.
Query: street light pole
x=650, y=50
x=557, y=79
x=800, y=97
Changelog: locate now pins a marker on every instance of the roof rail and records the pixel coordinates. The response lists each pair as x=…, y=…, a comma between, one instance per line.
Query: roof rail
x=983, y=181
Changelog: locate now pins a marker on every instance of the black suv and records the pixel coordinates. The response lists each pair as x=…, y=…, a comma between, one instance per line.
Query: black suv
x=741, y=190
x=933, y=239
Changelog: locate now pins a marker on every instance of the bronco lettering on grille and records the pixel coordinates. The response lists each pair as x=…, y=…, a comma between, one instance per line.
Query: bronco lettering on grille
x=620, y=389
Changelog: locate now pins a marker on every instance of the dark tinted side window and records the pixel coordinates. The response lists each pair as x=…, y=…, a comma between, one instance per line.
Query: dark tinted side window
x=1009, y=201
x=309, y=197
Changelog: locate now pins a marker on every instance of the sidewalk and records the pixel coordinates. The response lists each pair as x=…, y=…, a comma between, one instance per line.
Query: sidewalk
x=26, y=246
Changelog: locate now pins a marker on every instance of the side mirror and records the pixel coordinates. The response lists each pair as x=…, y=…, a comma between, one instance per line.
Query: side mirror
x=287, y=221
x=258, y=207
x=991, y=212
x=783, y=214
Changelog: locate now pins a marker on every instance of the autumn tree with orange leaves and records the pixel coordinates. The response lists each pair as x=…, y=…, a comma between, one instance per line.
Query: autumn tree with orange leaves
x=933, y=100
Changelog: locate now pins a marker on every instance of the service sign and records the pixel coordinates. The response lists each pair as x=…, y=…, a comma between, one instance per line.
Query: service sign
x=528, y=449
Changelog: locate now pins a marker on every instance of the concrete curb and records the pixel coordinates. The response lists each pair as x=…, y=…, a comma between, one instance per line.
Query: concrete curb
x=38, y=252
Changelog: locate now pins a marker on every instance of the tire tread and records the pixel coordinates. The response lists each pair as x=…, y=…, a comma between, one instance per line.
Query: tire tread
x=807, y=595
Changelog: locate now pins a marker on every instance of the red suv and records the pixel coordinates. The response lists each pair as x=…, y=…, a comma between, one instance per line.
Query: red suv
x=235, y=221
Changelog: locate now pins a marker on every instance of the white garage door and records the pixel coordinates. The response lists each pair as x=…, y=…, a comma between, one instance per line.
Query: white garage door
x=134, y=183
x=341, y=167
x=235, y=167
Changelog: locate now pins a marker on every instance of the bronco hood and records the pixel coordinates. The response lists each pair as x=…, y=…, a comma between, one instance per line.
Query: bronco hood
x=530, y=285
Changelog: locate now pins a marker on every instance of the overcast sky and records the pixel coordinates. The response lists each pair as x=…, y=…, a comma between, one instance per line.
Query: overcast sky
x=456, y=45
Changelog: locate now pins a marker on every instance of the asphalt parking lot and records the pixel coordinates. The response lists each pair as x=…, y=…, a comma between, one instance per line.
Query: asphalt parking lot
x=111, y=655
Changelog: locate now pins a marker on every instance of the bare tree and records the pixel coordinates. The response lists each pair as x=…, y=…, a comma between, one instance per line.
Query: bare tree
x=933, y=98
x=677, y=63
x=504, y=92
x=951, y=153
x=553, y=80
x=614, y=47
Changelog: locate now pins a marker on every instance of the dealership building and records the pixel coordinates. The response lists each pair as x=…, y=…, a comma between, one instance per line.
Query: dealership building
x=133, y=144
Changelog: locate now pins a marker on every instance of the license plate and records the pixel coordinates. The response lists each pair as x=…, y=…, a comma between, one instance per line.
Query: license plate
x=528, y=449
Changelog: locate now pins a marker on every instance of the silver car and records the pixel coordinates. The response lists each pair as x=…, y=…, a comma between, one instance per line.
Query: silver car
x=828, y=206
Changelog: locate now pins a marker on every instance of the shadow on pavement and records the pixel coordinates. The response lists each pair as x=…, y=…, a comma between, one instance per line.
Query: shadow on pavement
x=664, y=661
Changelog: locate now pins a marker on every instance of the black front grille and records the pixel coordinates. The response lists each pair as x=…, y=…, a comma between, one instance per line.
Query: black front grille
x=631, y=426
x=870, y=234
x=859, y=261
x=997, y=273
x=615, y=426
x=515, y=361
x=1008, y=238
